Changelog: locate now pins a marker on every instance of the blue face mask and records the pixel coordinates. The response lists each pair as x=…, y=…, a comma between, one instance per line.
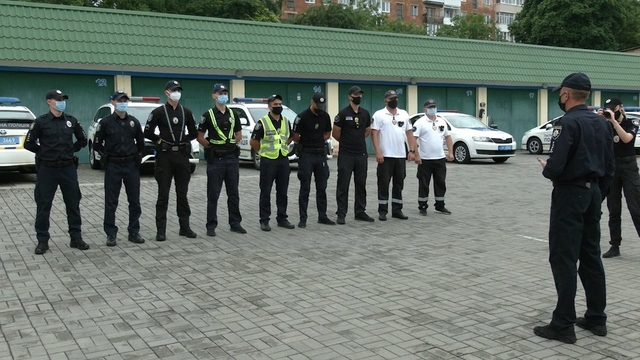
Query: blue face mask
x=61, y=105
x=223, y=99
x=122, y=107
x=432, y=111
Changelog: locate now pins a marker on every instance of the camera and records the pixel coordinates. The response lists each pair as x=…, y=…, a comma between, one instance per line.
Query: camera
x=606, y=113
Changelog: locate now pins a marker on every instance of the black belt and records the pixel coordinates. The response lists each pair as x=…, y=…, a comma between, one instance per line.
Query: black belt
x=57, y=163
x=587, y=183
x=626, y=159
x=121, y=160
x=313, y=150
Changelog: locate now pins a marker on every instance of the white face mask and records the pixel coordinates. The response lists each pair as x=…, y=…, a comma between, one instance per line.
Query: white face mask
x=175, y=96
x=432, y=111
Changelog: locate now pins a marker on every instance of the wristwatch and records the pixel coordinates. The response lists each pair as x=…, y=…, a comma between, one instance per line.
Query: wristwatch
x=412, y=151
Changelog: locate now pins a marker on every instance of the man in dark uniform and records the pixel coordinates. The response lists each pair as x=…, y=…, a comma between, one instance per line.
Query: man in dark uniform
x=221, y=151
x=311, y=129
x=172, y=157
x=119, y=140
x=581, y=167
x=351, y=127
x=270, y=138
x=626, y=176
x=51, y=139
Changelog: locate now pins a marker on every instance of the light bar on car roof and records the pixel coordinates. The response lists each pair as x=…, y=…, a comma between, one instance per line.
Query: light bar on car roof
x=9, y=100
x=145, y=98
x=451, y=111
x=250, y=100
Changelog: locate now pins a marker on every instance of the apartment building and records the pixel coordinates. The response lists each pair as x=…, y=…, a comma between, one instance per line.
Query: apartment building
x=411, y=11
x=506, y=11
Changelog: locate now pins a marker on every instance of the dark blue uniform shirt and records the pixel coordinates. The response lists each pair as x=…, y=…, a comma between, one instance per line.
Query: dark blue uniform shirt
x=224, y=122
x=312, y=127
x=121, y=137
x=51, y=138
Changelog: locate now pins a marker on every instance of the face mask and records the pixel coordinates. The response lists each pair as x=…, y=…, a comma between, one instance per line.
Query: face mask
x=61, y=105
x=356, y=100
x=561, y=104
x=277, y=110
x=223, y=99
x=616, y=115
x=175, y=96
x=393, y=104
x=320, y=106
x=122, y=107
x=432, y=111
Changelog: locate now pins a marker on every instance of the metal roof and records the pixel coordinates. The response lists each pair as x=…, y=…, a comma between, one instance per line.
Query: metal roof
x=84, y=38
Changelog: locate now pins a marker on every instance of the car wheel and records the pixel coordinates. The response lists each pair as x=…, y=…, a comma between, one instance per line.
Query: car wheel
x=500, y=160
x=534, y=146
x=255, y=157
x=192, y=168
x=461, y=153
x=95, y=164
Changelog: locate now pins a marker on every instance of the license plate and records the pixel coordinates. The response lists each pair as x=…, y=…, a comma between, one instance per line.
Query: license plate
x=504, y=147
x=9, y=140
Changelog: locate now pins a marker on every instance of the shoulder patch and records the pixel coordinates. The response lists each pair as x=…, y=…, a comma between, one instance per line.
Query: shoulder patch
x=297, y=119
x=203, y=119
x=336, y=119
x=150, y=117
x=258, y=126
x=98, y=126
x=556, y=131
x=414, y=129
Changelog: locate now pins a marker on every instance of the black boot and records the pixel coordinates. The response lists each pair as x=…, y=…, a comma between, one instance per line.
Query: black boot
x=614, y=251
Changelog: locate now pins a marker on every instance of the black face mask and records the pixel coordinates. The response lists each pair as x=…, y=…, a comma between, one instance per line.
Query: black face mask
x=393, y=104
x=561, y=104
x=356, y=100
x=277, y=110
x=616, y=115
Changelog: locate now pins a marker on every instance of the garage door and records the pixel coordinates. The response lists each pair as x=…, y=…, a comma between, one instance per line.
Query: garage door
x=449, y=98
x=295, y=95
x=513, y=110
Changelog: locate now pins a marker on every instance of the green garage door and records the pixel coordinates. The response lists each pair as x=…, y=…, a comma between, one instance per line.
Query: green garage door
x=295, y=95
x=449, y=98
x=627, y=98
x=86, y=94
x=513, y=110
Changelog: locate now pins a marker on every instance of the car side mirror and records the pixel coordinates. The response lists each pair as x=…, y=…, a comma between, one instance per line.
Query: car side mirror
x=548, y=126
x=493, y=126
x=244, y=121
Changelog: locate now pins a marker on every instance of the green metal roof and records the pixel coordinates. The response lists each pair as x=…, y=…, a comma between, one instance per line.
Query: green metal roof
x=83, y=38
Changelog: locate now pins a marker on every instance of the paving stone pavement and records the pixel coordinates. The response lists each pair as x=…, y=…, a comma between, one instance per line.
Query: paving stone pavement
x=467, y=286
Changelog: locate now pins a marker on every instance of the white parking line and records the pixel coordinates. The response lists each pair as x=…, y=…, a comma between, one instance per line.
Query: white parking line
x=532, y=238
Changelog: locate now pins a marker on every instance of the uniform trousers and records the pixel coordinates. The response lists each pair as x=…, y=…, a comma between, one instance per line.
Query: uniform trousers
x=225, y=169
x=274, y=170
x=357, y=165
x=438, y=169
x=171, y=165
x=391, y=169
x=47, y=182
x=574, y=234
x=313, y=164
x=625, y=179
x=115, y=175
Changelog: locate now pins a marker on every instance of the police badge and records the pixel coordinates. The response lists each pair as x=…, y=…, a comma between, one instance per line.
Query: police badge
x=131, y=123
x=68, y=123
x=316, y=126
x=175, y=120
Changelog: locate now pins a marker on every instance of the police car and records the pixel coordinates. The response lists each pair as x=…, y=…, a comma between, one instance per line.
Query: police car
x=538, y=139
x=472, y=139
x=140, y=107
x=248, y=111
x=15, y=122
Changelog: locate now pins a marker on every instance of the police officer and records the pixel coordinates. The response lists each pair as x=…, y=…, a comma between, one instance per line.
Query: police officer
x=581, y=167
x=626, y=176
x=120, y=141
x=351, y=127
x=429, y=132
x=390, y=128
x=173, y=146
x=51, y=139
x=311, y=130
x=270, y=138
x=221, y=151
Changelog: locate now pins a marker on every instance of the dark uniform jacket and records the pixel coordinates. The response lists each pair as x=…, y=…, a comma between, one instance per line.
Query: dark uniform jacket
x=581, y=149
x=180, y=119
x=121, y=137
x=55, y=135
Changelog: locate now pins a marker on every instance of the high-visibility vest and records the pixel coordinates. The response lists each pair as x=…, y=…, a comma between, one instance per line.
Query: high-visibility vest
x=274, y=142
x=223, y=139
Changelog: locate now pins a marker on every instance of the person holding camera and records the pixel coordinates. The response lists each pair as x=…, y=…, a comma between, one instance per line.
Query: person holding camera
x=173, y=147
x=221, y=151
x=390, y=131
x=626, y=176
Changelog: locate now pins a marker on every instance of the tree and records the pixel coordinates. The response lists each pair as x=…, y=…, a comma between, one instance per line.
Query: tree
x=470, y=26
x=594, y=24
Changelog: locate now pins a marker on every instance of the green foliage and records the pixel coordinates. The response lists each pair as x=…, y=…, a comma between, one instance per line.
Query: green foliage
x=470, y=26
x=594, y=24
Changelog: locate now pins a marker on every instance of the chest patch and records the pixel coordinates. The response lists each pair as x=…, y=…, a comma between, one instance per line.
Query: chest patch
x=131, y=123
x=316, y=126
x=68, y=123
x=175, y=120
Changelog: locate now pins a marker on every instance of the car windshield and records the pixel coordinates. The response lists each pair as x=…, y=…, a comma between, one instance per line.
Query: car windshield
x=258, y=113
x=18, y=116
x=465, y=122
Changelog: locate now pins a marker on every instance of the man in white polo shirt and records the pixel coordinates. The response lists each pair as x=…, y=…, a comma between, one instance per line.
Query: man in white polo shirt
x=429, y=132
x=390, y=131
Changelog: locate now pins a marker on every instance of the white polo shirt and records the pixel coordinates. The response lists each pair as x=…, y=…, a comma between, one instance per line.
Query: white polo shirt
x=392, y=132
x=430, y=134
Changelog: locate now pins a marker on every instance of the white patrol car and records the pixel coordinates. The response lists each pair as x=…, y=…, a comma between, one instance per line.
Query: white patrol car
x=248, y=111
x=140, y=107
x=538, y=139
x=472, y=139
x=15, y=122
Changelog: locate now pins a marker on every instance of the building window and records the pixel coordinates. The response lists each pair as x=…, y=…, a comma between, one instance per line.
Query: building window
x=386, y=7
x=290, y=16
x=326, y=2
x=487, y=2
x=343, y=2
x=399, y=13
x=505, y=18
x=474, y=4
x=310, y=1
x=450, y=13
x=290, y=4
x=511, y=2
x=487, y=19
x=430, y=12
x=414, y=10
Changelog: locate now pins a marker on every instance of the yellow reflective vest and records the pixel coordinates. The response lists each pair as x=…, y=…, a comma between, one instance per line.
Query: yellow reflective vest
x=274, y=142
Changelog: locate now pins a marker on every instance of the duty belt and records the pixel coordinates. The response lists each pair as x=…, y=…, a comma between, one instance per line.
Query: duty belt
x=57, y=163
x=313, y=150
x=121, y=160
x=588, y=183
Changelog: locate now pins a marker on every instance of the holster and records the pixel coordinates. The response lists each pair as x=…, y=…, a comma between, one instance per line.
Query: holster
x=103, y=159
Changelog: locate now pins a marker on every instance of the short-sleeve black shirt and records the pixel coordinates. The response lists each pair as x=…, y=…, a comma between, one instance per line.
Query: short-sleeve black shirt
x=353, y=125
x=620, y=149
x=224, y=123
x=312, y=127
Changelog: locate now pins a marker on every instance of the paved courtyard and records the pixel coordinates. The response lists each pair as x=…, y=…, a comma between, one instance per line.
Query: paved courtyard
x=467, y=286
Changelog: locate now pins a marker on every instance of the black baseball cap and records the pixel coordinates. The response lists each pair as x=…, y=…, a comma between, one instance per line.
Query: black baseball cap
x=611, y=103
x=56, y=94
x=430, y=103
x=172, y=85
x=390, y=94
x=576, y=81
x=319, y=98
x=119, y=95
x=219, y=87
x=273, y=97
x=355, y=90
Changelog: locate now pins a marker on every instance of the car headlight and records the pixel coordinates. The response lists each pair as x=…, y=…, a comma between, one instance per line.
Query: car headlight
x=481, y=138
